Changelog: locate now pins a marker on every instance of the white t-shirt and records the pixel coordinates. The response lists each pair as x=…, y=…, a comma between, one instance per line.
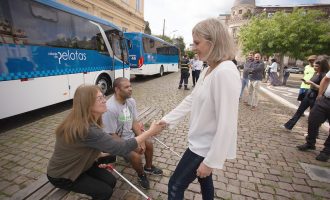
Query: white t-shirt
x=214, y=112
x=196, y=64
x=327, y=91
x=119, y=118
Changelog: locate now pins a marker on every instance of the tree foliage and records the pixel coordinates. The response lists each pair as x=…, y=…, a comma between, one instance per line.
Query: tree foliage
x=178, y=42
x=297, y=34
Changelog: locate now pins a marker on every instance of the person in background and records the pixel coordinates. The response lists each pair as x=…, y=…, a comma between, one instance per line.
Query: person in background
x=80, y=140
x=308, y=74
x=196, y=67
x=213, y=108
x=184, y=72
x=321, y=67
x=286, y=75
x=246, y=69
x=274, y=81
x=255, y=77
x=319, y=113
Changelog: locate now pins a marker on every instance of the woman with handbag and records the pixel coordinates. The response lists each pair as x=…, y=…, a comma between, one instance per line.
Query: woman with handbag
x=321, y=67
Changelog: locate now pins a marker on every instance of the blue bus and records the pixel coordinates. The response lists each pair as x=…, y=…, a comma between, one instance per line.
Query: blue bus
x=47, y=50
x=149, y=55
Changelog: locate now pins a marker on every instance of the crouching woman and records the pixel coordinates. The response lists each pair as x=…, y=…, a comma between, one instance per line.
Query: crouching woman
x=80, y=140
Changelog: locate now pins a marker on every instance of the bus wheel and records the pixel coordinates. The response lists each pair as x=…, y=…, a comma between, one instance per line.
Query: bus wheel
x=104, y=83
x=161, y=72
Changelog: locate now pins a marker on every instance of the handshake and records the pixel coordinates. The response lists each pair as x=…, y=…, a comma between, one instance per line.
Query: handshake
x=155, y=128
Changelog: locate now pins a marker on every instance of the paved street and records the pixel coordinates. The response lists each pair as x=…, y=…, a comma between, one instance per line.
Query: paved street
x=266, y=166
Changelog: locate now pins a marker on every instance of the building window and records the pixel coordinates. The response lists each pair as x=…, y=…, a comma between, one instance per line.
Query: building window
x=240, y=12
x=124, y=29
x=233, y=12
x=138, y=5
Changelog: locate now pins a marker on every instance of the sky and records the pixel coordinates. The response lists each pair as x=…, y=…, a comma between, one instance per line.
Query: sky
x=181, y=15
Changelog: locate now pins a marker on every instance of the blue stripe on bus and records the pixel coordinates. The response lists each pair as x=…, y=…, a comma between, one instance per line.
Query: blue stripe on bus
x=20, y=61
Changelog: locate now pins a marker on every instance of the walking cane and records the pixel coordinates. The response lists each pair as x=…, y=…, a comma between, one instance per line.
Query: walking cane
x=166, y=146
x=110, y=168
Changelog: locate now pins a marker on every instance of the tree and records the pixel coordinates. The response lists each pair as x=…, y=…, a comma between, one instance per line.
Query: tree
x=147, y=29
x=297, y=34
x=179, y=42
x=165, y=38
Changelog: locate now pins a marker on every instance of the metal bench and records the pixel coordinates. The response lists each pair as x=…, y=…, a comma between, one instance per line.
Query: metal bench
x=43, y=189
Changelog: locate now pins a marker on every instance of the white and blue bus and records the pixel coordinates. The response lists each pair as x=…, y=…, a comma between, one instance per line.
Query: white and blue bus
x=151, y=55
x=47, y=50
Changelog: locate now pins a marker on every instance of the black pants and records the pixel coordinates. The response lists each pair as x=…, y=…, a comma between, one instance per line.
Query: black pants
x=195, y=76
x=184, y=78
x=317, y=116
x=305, y=103
x=95, y=182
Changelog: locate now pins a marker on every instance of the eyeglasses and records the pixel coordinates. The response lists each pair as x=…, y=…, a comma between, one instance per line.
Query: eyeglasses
x=101, y=98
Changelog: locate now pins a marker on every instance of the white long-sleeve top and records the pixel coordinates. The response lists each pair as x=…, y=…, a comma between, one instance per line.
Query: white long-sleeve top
x=214, y=111
x=273, y=67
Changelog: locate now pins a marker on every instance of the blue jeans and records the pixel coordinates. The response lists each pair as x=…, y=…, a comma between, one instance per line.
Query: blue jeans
x=245, y=81
x=185, y=173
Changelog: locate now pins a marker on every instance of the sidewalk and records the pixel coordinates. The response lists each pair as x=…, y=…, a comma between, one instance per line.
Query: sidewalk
x=267, y=164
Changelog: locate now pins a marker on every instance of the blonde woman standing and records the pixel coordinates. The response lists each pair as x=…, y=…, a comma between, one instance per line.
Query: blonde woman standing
x=213, y=107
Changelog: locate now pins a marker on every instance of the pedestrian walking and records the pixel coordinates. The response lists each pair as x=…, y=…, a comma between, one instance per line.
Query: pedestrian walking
x=246, y=69
x=318, y=115
x=255, y=78
x=184, y=72
x=321, y=67
x=80, y=140
x=274, y=81
x=196, y=67
x=308, y=74
x=286, y=75
x=213, y=108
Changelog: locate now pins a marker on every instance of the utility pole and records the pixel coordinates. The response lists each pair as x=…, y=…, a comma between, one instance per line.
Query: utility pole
x=164, y=28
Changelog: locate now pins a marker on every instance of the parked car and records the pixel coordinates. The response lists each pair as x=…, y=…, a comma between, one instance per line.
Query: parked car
x=296, y=70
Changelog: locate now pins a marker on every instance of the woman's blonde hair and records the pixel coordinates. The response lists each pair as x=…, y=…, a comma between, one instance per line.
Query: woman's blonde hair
x=213, y=30
x=76, y=124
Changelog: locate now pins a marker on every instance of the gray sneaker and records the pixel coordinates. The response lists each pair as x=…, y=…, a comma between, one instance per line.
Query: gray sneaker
x=144, y=182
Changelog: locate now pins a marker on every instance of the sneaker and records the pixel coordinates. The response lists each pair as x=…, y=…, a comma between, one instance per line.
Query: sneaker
x=285, y=128
x=180, y=86
x=323, y=157
x=306, y=147
x=153, y=170
x=144, y=182
x=186, y=88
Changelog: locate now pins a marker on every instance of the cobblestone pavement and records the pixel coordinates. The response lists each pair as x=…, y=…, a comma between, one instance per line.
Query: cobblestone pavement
x=266, y=166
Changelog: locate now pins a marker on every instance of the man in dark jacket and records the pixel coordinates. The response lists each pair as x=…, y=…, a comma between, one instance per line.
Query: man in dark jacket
x=184, y=72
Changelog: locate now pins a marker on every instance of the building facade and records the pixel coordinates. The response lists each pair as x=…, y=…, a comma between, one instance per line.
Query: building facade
x=127, y=14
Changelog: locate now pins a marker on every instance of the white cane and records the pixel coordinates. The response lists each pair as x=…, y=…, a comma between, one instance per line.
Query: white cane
x=166, y=146
x=110, y=168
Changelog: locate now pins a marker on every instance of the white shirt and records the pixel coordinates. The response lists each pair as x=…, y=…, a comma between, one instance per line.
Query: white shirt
x=273, y=67
x=327, y=91
x=196, y=64
x=214, y=111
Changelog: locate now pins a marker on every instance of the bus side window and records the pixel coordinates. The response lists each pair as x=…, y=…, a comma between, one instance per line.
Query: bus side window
x=101, y=47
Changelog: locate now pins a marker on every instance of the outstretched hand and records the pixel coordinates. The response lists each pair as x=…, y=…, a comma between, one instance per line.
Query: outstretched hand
x=156, y=127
